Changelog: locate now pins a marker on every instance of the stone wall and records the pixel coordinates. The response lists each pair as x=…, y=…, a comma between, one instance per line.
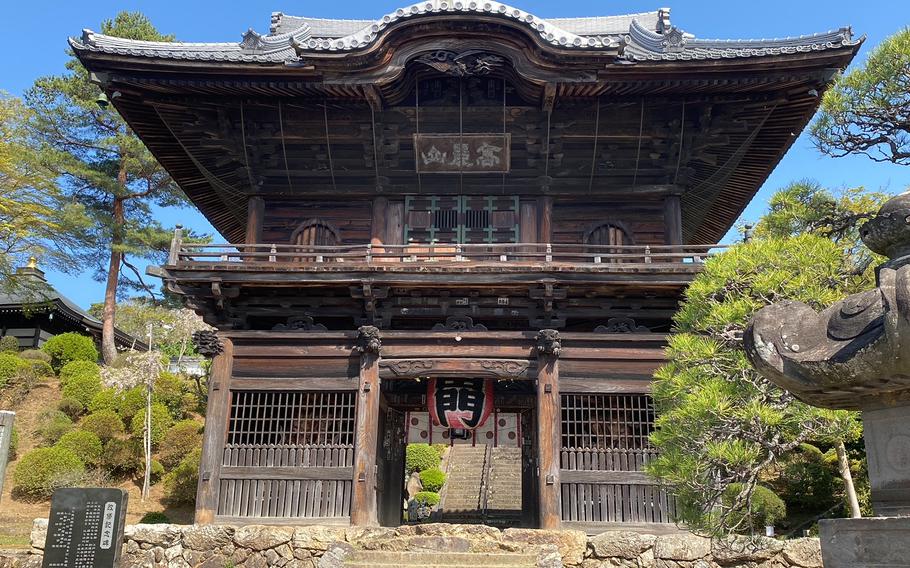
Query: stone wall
x=255, y=546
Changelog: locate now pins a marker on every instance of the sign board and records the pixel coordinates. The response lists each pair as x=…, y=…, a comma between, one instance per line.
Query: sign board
x=6, y=436
x=85, y=529
x=462, y=153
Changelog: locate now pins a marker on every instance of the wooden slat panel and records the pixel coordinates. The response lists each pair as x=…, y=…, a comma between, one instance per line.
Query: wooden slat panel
x=256, y=472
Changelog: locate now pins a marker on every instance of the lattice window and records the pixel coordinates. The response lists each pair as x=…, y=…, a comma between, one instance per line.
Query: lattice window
x=461, y=219
x=605, y=421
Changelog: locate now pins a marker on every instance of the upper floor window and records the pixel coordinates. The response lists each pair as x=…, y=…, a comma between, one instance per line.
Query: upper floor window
x=459, y=219
x=610, y=233
x=315, y=232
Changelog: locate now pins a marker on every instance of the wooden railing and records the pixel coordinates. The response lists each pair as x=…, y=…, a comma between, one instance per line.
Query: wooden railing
x=184, y=254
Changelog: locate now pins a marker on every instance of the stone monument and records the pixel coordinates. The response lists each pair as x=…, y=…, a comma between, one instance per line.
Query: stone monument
x=856, y=355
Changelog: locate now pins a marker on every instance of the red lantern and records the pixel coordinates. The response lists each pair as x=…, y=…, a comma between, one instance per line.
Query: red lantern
x=460, y=403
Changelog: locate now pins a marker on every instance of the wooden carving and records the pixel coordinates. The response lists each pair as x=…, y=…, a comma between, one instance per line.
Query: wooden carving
x=548, y=342
x=621, y=325
x=207, y=344
x=368, y=340
x=300, y=323
x=459, y=323
x=410, y=367
x=505, y=368
x=465, y=64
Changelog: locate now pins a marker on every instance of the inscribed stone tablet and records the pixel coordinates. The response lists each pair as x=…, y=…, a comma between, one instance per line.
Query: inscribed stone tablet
x=85, y=529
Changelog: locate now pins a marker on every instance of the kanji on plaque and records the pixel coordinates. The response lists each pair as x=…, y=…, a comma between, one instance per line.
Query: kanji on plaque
x=462, y=153
x=460, y=403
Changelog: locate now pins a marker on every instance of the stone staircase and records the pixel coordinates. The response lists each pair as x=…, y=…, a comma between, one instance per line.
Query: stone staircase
x=436, y=559
x=477, y=491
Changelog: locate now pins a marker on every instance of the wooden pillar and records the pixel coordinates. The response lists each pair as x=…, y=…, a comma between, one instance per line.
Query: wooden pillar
x=216, y=423
x=363, y=504
x=7, y=418
x=549, y=423
x=545, y=227
x=672, y=220
x=255, y=211
x=378, y=224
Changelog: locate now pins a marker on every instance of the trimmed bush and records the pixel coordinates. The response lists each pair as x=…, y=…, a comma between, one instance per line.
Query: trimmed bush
x=123, y=457
x=419, y=457
x=84, y=444
x=105, y=399
x=767, y=508
x=157, y=472
x=35, y=355
x=82, y=388
x=71, y=407
x=14, y=443
x=77, y=368
x=52, y=425
x=161, y=421
x=43, y=470
x=168, y=389
x=105, y=424
x=181, y=439
x=440, y=449
x=40, y=368
x=9, y=344
x=427, y=498
x=10, y=368
x=132, y=401
x=154, y=518
x=180, y=484
x=432, y=479
x=68, y=347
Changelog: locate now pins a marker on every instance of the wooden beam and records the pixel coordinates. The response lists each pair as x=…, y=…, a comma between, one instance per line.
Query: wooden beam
x=213, y=437
x=549, y=421
x=255, y=211
x=373, y=97
x=672, y=220
x=363, y=505
x=548, y=99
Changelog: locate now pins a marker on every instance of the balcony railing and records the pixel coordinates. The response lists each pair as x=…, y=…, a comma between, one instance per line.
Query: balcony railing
x=528, y=254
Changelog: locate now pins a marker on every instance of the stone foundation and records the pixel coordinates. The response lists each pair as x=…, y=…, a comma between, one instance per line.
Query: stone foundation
x=217, y=546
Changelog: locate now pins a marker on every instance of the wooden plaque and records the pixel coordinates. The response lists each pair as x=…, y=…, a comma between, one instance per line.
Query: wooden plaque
x=462, y=153
x=85, y=529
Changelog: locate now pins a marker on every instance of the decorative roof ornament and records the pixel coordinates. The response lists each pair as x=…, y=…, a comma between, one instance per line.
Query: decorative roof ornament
x=207, y=344
x=663, y=21
x=674, y=40
x=888, y=233
x=368, y=340
x=466, y=64
x=252, y=40
x=548, y=343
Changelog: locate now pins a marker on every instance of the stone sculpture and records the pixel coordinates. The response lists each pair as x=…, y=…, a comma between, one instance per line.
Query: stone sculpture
x=856, y=355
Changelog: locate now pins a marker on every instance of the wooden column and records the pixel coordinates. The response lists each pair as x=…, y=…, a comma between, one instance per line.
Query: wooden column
x=672, y=220
x=363, y=504
x=545, y=226
x=378, y=224
x=216, y=423
x=255, y=211
x=549, y=423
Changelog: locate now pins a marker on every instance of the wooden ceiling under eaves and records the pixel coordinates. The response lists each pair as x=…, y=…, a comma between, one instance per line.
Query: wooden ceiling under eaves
x=710, y=130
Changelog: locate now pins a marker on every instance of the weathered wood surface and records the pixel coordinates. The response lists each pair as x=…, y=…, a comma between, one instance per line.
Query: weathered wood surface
x=255, y=211
x=364, y=511
x=214, y=435
x=548, y=440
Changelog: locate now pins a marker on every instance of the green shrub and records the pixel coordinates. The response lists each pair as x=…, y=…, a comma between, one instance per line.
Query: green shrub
x=161, y=421
x=123, y=457
x=71, y=407
x=157, y=472
x=766, y=507
x=40, y=368
x=76, y=368
x=68, y=347
x=180, y=484
x=9, y=344
x=43, y=470
x=52, y=424
x=84, y=444
x=14, y=443
x=132, y=401
x=82, y=388
x=181, y=439
x=105, y=399
x=154, y=518
x=432, y=479
x=10, y=367
x=440, y=449
x=35, y=355
x=105, y=424
x=419, y=457
x=168, y=389
x=427, y=498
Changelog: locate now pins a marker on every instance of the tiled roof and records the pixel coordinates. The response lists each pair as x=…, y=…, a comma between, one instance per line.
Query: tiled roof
x=647, y=36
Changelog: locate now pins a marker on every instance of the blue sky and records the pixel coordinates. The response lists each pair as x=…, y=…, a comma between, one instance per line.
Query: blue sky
x=36, y=33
